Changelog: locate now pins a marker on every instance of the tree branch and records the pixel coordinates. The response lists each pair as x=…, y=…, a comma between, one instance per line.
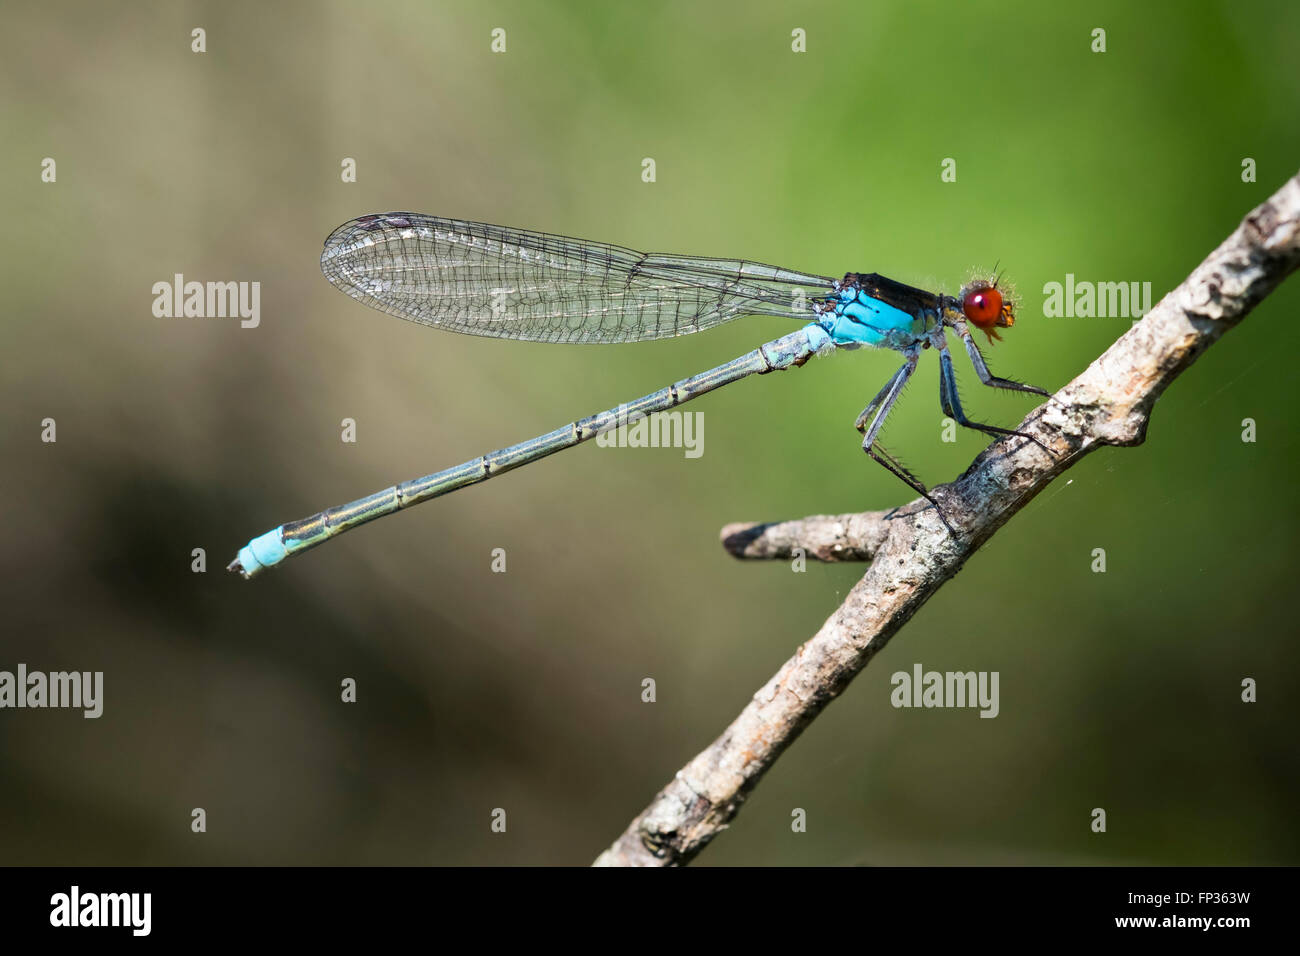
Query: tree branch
x=913, y=555
x=853, y=537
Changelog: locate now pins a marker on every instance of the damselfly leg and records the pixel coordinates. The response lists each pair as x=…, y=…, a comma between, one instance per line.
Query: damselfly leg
x=951, y=402
x=877, y=411
x=982, y=368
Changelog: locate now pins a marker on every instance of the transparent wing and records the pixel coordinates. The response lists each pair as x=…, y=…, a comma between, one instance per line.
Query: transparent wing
x=512, y=283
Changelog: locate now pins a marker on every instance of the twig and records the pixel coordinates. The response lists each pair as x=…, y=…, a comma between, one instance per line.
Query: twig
x=912, y=555
x=854, y=537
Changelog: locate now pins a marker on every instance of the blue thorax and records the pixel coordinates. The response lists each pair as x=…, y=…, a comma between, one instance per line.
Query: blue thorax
x=856, y=319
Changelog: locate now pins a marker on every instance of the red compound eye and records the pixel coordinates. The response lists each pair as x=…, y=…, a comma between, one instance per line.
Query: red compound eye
x=982, y=307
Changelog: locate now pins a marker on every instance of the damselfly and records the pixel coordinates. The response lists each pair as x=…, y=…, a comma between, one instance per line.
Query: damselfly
x=512, y=283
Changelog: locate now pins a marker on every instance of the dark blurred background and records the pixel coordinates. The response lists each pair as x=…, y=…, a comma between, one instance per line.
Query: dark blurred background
x=522, y=690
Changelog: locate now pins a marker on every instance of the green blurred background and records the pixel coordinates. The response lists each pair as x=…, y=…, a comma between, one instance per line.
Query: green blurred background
x=522, y=690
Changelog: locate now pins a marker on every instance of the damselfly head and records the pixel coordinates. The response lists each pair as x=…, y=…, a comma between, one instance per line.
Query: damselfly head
x=987, y=307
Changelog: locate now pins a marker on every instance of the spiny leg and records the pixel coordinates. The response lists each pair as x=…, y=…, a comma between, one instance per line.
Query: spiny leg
x=892, y=465
x=993, y=381
x=896, y=467
x=861, y=423
x=951, y=403
x=982, y=368
x=882, y=403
